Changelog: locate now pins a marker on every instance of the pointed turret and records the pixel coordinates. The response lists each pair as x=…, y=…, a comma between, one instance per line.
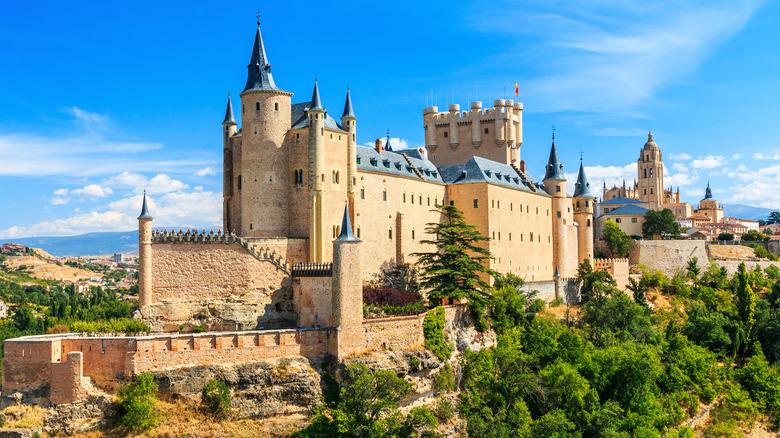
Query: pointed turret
x=229, y=117
x=582, y=188
x=348, y=112
x=346, y=228
x=259, y=77
x=554, y=166
x=145, y=210
x=708, y=192
x=316, y=102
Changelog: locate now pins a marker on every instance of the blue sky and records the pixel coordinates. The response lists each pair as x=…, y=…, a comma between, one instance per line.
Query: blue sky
x=100, y=100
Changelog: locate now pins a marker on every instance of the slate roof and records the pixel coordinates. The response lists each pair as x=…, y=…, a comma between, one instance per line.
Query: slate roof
x=622, y=200
x=348, y=111
x=316, y=102
x=394, y=163
x=582, y=187
x=145, y=210
x=479, y=169
x=259, y=76
x=554, y=168
x=229, y=118
x=346, y=228
x=300, y=120
x=626, y=210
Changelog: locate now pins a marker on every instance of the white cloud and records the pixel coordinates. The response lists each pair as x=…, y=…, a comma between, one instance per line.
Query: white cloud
x=680, y=167
x=708, y=162
x=759, y=187
x=160, y=183
x=78, y=224
x=206, y=171
x=93, y=191
x=395, y=142
x=681, y=157
x=735, y=157
x=679, y=179
x=761, y=156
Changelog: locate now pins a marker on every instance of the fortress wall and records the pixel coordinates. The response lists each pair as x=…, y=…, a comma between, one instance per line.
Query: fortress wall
x=26, y=362
x=400, y=332
x=291, y=250
x=200, y=271
x=313, y=301
x=733, y=266
x=617, y=268
x=163, y=352
x=105, y=359
x=667, y=255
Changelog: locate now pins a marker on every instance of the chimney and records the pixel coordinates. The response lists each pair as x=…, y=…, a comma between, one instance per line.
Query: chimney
x=378, y=145
x=522, y=166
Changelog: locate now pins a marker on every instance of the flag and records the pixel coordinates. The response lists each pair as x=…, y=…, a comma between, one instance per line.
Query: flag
x=517, y=90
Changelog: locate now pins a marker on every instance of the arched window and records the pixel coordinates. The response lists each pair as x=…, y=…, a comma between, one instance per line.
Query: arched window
x=257, y=106
x=645, y=173
x=358, y=232
x=390, y=233
x=276, y=106
x=384, y=195
x=412, y=233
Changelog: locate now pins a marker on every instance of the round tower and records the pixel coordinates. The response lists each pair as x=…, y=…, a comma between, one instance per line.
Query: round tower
x=347, y=287
x=265, y=121
x=316, y=115
x=144, y=256
x=555, y=185
x=349, y=123
x=583, y=214
x=229, y=127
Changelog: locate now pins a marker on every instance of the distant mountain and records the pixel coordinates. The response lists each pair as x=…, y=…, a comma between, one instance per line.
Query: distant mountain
x=85, y=244
x=746, y=211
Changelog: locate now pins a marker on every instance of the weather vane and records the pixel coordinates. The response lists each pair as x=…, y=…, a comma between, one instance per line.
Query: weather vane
x=258, y=17
x=553, y=131
x=580, y=155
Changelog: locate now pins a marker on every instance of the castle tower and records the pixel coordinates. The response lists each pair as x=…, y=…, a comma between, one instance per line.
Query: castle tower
x=263, y=189
x=229, y=126
x=583, y=215
x=144, y=256
x=316, y=115
x=650, y=168
x=555, y=185
x=347, y=288
x=348, y=122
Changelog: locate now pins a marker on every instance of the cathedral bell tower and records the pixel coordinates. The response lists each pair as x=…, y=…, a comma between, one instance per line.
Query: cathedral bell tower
x=650, y=168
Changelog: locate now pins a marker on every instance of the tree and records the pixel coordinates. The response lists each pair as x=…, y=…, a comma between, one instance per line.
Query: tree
x=618, y=242
x=761, y=222
x=660, y=223
x=754, y=236
x=725, y=237
x=773, y=218
x=137, y=402
x=769, y=232
x=453, y=269
x=746, y=301
x=594, y=284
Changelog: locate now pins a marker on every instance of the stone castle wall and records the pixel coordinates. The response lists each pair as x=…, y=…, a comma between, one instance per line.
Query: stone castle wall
x=617, y=268
x=667, y=255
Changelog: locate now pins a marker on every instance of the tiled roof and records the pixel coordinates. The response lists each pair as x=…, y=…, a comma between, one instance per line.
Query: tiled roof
x=300, y=120
x=397, y=163
x=628, y=210
x=479, y=169
x=622, y=200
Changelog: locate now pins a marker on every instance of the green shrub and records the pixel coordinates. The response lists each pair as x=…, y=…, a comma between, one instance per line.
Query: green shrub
x=216, y=397
x=137, y=402
x=433, y=329
x=556, y=302
x=414, y=363
x=197, y=329
x=122, y=325
x=445, y=380
x=444, y=409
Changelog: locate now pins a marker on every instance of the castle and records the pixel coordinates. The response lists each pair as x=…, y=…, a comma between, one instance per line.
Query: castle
x=290, y=167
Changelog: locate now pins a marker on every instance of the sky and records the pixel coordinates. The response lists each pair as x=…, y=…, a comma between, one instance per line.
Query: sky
x=101, y=100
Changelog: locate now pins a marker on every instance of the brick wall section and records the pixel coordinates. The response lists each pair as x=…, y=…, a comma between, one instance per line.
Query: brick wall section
x=105, y=359
x=26, y=364
x=667, y=255
x=203, y=271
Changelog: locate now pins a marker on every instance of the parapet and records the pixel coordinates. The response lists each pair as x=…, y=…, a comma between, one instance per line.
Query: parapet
x=312, y=270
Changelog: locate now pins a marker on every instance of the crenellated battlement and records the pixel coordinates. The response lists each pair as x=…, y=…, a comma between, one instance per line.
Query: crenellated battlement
x=261, y=253
x=312, y=270
x=605, y=263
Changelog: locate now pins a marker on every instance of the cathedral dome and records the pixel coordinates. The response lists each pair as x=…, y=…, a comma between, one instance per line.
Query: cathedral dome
x=650, y=143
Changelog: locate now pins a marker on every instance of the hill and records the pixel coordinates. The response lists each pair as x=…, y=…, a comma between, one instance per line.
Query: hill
x=746, y=211
x=84, y=244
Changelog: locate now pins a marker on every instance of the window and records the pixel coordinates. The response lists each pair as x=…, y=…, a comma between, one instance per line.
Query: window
x=645, y=173
x=412, y=198
x=498, y=204
x=633, y=220
x=412, y=233
x=476, y=203
x=429, y=201
x=331, y=136
x=559, y=214
x=486, y=130
x=239, y=182
x=362, y=193
x=578, y=204
x=645, y=192
x=606, y=210
x=358, y=232
x=404, y=197
x=384, y=195
x=494, y=234
x=532, y=236
x=651, y=190
x=587, y=203
x=250, y=225
x=445, y=134
x=537, y=211
x=617, y=220
x=557, y=188
x=420, y=199
x=390, y=234
x=510, y=236
x=510, y=206
x=257, y=106
x=452, y=202
x=297, y=135
x=493, y=203
x=588, y=222
x=276, y=106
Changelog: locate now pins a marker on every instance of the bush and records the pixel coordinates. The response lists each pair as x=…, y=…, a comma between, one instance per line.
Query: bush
x=122, y=325
x=445, y=380
x=216, y=397
x=387, y=296
x=433, y=329
x=137, y=402
x=444, y=409
x=57, y=329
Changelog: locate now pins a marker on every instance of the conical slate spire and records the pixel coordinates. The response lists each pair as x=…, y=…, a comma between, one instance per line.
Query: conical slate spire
x=316, y=102
x=229, y=118
x=145, y=210
x=259, y=77
x=582, y=188
x=554, y=166
x=708, y=192
x=346, y=229
x=348, y=112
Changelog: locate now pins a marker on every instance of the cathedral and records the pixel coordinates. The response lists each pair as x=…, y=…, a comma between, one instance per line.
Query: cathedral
x=290, y=168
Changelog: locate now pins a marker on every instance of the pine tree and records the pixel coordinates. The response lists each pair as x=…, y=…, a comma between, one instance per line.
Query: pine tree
x=746, y=302
x=453, y=269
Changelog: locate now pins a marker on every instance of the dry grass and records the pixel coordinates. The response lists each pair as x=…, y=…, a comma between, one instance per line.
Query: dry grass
x=732, y=252
x=182, y=418
x=47, y=269
x=23, y=417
